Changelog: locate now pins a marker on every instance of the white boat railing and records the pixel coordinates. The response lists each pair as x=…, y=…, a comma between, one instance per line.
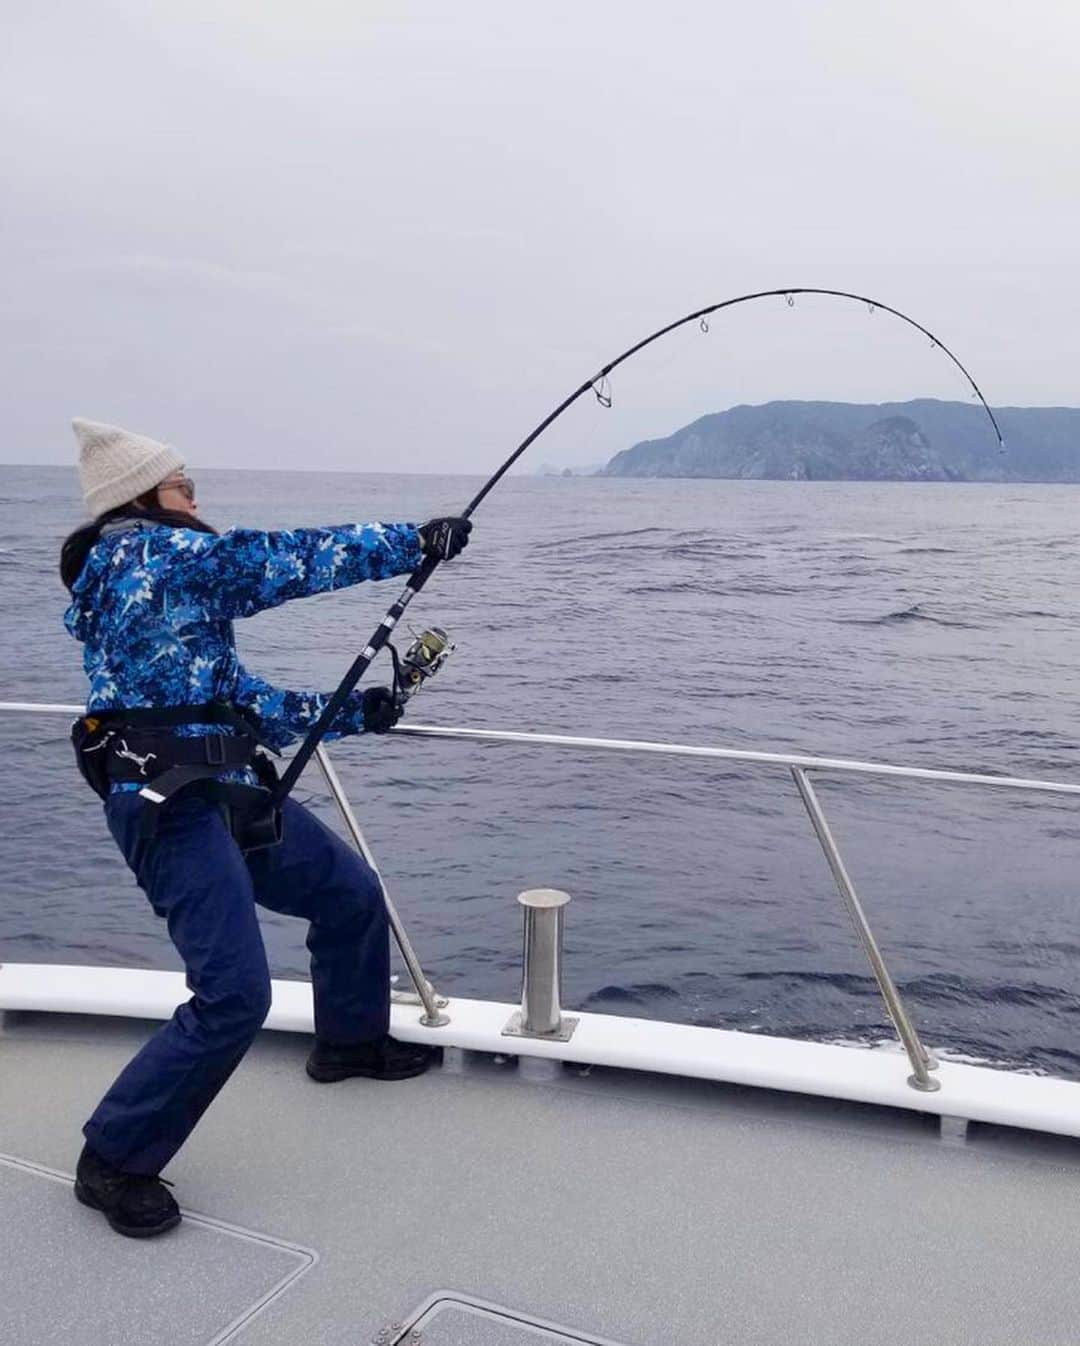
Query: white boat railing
x=799, y=767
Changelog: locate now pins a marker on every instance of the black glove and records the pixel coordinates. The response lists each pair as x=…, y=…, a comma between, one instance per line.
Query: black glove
x=445, y=537
x=381, y=711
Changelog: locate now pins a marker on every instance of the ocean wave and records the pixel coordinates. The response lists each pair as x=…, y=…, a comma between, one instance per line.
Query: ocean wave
x=640, y=994
x=914, y=613
x=617, y=535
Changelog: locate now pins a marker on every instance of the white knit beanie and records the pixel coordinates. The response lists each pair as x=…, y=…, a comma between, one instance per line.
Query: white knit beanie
x=115, y=466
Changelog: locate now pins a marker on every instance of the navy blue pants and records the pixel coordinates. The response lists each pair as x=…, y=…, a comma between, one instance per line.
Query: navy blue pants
x=199, y=880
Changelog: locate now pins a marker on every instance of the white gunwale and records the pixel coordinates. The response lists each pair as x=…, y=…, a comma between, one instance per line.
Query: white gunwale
x=858, y=1074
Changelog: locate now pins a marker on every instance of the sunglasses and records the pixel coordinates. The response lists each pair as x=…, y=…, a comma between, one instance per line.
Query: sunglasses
x=184, y=485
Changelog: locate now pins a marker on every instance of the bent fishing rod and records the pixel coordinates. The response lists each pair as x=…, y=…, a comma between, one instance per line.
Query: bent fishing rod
x=599, y=386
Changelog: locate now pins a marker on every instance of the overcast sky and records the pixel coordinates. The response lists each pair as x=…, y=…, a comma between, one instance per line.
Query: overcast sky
x=390, y=236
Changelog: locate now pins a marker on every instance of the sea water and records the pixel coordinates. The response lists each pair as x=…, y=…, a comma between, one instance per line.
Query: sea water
x=933, y=625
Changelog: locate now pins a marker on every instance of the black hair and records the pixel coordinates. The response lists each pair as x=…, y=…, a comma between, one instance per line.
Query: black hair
x=77, y=545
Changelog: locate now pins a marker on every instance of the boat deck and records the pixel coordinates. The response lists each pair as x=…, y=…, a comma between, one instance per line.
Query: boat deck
x=461, y=1207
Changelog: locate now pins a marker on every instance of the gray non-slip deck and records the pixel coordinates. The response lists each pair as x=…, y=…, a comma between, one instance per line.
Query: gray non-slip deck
x=629, y=1209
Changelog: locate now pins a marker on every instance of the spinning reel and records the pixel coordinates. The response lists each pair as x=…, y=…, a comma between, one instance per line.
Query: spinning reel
x=422, y=660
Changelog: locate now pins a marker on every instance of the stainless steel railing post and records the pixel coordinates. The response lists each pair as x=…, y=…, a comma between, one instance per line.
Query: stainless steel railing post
x=921, y=1060
x=541, y=971
x=433, y=1016
x=541, y=1013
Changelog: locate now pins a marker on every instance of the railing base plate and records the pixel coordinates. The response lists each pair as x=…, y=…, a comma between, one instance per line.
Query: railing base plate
x=563, y=1033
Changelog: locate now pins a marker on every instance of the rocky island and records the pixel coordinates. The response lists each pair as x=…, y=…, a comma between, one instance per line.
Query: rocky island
x=923, y=440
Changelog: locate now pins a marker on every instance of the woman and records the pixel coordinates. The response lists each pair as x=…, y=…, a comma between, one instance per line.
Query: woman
x=170, y=741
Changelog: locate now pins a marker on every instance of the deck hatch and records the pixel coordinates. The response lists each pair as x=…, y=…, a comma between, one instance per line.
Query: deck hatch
x=69, y=1279
x=449, y=1319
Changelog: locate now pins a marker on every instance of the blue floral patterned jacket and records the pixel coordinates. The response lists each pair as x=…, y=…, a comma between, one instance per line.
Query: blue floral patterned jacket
x=154, y=606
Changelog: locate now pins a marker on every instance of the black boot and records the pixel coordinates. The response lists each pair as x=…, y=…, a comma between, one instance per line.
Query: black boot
x=136, y=1205
x=383, y=1059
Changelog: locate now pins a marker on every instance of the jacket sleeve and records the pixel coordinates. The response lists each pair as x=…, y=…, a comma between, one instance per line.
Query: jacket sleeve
x=244, y=571
x=283, y=716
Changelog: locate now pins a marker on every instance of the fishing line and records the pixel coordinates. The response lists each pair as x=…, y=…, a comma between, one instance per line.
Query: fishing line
x=600, y=386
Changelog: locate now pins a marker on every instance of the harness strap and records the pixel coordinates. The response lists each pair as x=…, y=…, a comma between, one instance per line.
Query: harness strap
x=169, y=782
x=135, y=755
x=164, y=764
x=209, y=712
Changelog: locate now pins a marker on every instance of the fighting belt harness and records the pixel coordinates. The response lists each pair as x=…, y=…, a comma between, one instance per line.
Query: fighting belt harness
x=137, y=745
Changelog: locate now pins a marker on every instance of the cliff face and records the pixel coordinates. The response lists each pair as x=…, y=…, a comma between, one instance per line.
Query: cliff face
x=842, y=441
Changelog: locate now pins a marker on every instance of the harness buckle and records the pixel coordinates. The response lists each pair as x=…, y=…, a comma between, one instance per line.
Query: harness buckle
x=215, y=749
